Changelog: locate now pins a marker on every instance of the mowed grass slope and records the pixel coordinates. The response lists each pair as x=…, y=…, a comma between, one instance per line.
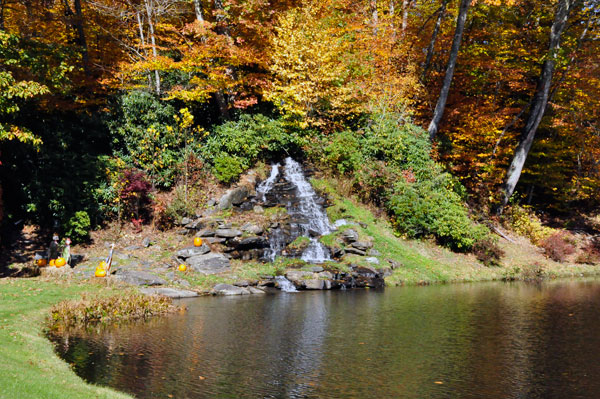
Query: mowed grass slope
x=29, y=368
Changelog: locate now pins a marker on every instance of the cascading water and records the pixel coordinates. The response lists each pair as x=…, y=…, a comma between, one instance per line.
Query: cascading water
x=266, y=186
x=307, y=216
x=316, y=220
x=285, y=285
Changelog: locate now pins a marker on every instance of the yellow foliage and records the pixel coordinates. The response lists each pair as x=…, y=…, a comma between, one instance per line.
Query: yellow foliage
x=311, y=68
x=524, y=222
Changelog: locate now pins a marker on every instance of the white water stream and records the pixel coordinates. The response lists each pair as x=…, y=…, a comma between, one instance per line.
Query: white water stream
x=314, y=222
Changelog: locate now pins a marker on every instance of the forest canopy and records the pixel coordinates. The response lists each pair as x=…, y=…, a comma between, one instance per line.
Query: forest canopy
x=94, y=90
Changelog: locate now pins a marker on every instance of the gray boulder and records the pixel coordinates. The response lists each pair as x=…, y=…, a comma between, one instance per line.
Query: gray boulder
x=355, y=251
x=185, y=221
x=232, y=197
x=205, y=233
x=372, y=260
x=362, y=245
x=314, y=284
x=193, y=251
x=252, y=229
x=350, y=235
x=298, y=276
x=228, y=233
x=135, y=277
x=228, y=289
x=146, y=242
x=210, y=263
x=373, y=252
x=170, y=292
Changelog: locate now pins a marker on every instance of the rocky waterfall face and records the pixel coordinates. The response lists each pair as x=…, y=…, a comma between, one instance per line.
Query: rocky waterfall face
x=304, y=207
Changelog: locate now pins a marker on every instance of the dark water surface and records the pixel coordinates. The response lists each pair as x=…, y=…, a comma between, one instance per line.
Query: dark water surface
x=491, y=340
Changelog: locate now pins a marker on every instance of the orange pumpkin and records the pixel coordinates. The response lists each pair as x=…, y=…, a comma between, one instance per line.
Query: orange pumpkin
x=100, y=272
x=182, y=267
x=60, y=262
x=52, y=261
x=197, y=241
x=41, y=262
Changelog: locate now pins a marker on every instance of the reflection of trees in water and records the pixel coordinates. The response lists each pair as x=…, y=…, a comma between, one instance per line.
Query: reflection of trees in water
x=484, y=340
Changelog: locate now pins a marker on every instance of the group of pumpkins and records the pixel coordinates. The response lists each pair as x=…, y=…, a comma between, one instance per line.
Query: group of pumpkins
x=101, y=268
x=58, y=262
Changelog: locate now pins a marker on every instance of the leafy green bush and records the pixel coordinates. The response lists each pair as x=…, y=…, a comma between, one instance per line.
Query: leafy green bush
x=391, y=165
x=343, y=152
x=235, y=146
x=430, y=208
x=146, y=138
x=78, y=227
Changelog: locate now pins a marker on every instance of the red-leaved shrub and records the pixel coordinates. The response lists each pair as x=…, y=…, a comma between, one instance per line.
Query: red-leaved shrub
x=558, y=246
x=590, y=253
x=136, y=196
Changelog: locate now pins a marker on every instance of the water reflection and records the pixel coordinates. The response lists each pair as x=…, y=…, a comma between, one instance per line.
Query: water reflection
x=461, y=341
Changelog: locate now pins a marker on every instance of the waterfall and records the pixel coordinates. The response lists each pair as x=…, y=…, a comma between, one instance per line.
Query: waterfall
x=285, y=285
x=276, y=244
x=265, y=186
x=307, y=216
x=307, y=205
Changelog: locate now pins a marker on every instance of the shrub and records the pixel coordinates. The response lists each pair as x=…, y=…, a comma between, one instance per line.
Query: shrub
x=488, y=252
x=343, y=153
x=590, y=253
x=78, y=227
x=430, y=208
x=135, y=195
x=93, y=310
x=524, y=222
x=558, y=246
x=235, y=146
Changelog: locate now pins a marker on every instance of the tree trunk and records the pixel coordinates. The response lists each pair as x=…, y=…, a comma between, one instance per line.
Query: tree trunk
x=198, y=10
x=143, y=43
x=538, y=106
x=441, y=104
x=405, y=5
x=436, y=30
x=153, y=42
x=374, y=17
x=81, y=41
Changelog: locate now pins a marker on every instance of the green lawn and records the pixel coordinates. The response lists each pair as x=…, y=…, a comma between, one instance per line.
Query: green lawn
x=29, y=368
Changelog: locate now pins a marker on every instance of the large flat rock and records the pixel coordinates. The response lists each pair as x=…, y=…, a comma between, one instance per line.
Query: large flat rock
x=135, y=277
x=193, y=251
x=211, y=263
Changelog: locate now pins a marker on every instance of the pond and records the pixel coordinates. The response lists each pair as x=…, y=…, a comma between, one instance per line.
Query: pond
x=486, y=340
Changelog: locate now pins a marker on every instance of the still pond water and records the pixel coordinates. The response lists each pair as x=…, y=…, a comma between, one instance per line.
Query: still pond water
x=495, y=340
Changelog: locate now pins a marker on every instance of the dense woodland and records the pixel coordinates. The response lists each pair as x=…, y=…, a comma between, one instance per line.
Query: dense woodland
x=442, y=112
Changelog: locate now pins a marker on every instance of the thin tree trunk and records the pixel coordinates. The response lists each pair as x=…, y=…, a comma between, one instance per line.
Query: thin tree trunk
x=198, y=10
x=405, y=5
x=81, y=37
x=538, y=107
x=441, y=104
x=153, y=42
x=436, y=30
x=222, y=29
x=143, y=43
x=374, y=17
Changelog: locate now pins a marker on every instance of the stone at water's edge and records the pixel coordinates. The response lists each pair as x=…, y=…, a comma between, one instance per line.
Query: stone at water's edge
x=135, y=277
x=228, y=289
x=210, y=263
x=170, y=292
x=193, y=251
x=314, y=284
x=232, y=197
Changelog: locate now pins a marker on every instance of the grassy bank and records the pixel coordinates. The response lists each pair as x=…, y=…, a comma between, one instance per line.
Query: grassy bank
x=425, y=262
x=29, y=368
